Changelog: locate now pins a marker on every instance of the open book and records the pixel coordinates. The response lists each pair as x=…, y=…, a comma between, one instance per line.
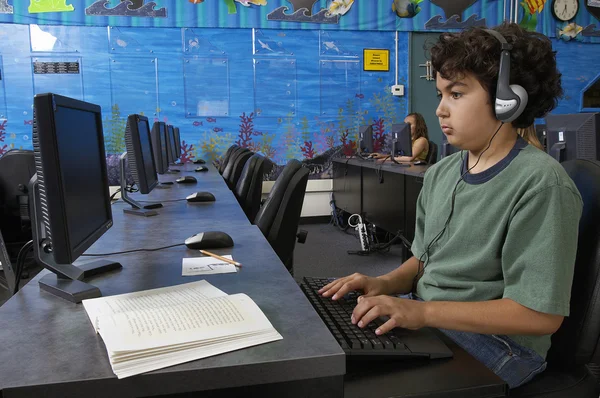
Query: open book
x=153, y=329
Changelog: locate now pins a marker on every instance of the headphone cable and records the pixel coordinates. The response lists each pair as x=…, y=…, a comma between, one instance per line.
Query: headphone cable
x=421, y=271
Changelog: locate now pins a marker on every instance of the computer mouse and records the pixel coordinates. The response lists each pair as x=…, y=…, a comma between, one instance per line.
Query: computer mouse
x=201, y=168
x=186, y=180
x=209, y=240
x=199, y=161
x=201, y=197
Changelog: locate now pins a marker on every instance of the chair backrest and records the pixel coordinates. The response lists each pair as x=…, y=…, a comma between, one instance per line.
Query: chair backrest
x=282, y=236
x=576, y=342
x=249, y=187
x=226, y=158
x=231, y=162
x=238, y=167
x=432, y=154
x=267, y=213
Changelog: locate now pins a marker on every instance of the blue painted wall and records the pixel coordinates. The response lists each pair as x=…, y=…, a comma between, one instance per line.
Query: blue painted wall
x=301, y=89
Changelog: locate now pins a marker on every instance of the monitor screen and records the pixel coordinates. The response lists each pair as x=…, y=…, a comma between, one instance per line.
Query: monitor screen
x=172, y=146
x=402, y=137
x=177, y=141
x=80, y=153
x=365, y=138
x=146, y=152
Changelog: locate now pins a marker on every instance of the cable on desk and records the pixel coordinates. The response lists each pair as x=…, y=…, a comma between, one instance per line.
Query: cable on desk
x=21, y=263
x=161, y=201
x=131, y=251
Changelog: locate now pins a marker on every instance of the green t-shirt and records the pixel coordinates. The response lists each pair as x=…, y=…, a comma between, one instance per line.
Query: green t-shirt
x=513, y=234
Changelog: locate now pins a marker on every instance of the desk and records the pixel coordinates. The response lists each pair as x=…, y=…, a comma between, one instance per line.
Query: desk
x=50, y=349
x=387, y=193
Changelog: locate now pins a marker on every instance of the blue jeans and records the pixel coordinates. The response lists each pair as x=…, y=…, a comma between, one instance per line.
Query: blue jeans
x=512, y=362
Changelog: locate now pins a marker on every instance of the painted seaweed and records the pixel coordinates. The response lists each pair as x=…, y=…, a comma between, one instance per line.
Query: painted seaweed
x=3, y=148
x=187, y=152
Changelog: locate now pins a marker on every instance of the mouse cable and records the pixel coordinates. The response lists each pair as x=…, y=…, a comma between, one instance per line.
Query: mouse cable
x=131, y=251
x=161, y=201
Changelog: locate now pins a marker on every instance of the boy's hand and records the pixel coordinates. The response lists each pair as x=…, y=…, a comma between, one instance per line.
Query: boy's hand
x=408, y=314
x=342, y=286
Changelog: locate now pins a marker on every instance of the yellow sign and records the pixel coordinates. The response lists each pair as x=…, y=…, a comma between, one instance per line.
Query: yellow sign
x=376, y=59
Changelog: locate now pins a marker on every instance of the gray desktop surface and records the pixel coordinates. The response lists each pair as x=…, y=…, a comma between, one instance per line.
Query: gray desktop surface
x=50, y=348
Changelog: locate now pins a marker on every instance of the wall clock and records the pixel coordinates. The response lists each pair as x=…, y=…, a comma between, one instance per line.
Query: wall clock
x=565, y=10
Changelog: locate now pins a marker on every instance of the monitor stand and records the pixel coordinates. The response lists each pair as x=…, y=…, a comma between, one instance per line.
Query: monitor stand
x=66, y=282
x=136, y=208
x=558, y=151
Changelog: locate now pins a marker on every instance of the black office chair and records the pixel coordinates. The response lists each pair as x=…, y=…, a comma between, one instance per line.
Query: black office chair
x=248, y=190
x=279, y=217
x=231, y=162
x=575, y=344
x=433, y=153
x=226, y=157
x=238, y=167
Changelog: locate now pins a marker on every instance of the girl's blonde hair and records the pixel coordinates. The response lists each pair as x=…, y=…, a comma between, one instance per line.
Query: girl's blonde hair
x=529, y=135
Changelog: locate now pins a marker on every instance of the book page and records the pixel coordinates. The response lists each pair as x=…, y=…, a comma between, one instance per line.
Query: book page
x=149, y=299
x=210, y=319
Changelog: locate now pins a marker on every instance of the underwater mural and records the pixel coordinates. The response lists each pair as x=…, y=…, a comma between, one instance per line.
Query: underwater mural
x=39, y=6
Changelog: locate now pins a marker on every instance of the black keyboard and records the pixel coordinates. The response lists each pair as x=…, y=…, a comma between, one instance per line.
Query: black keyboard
x=360, y=343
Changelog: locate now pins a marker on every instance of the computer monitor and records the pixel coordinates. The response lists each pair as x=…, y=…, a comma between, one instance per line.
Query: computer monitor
x=16, y=169
x=171, y=145
x=447, y=149
x=159, y=147
x=141, y=164
x=365, y=139
x=71, y=206
x=401, y=140
x=177, y=141
x=573, y=136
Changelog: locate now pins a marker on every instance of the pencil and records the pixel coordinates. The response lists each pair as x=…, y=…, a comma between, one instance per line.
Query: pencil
x=221, y=258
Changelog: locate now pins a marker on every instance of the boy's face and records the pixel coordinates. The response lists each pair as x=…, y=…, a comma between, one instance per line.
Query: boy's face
x=465, y=113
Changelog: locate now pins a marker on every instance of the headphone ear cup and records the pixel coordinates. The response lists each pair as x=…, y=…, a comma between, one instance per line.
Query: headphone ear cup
x=523, y=98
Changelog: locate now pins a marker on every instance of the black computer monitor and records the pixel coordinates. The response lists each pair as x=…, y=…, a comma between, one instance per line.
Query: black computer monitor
x=447, y=149
x=177, y=141
x=171, y=145
x=141, y=164
x=573, y=136
x=365, y=139
x=401, y=140
x=17, y=166
x=159, y=147
x=71, y=206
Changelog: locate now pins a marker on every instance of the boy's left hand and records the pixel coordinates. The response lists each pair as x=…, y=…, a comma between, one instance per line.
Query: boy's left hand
x=405, y=313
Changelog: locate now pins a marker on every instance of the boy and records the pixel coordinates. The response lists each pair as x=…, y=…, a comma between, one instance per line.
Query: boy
x=496, y=231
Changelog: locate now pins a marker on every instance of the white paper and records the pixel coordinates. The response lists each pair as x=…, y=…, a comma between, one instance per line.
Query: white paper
x=206, y=266
x=154, y=298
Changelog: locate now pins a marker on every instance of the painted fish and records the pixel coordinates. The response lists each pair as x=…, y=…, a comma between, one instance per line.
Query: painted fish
x=195, y=1
x=217, y=129
x=197, y=123
x=28, y=122
x=406, y=8
x=211, y=120
x=247, y=3
x=535, y=5
x=570, y=31
x=361, y=96
x=340, y=7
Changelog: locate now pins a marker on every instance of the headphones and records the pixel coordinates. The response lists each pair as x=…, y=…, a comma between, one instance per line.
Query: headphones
x=511, y=99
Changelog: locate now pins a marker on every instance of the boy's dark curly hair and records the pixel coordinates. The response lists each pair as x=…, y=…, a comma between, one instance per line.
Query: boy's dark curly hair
x=533, y=65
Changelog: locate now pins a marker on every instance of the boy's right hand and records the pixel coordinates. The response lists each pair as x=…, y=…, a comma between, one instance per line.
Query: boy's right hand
x=342, y=286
